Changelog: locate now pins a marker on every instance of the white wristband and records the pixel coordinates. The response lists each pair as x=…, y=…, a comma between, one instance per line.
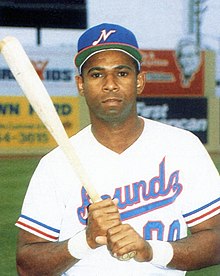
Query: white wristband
x=78, y=246
x=162, y=253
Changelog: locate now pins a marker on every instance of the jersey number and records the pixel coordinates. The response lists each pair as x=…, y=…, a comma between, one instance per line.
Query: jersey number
x=153, y=228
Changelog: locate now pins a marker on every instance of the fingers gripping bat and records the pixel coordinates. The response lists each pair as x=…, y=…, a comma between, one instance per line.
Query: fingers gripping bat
x=37, y=95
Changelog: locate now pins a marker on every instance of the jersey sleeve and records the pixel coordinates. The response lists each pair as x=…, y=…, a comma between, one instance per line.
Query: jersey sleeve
x=202, y=186
x=43, y=205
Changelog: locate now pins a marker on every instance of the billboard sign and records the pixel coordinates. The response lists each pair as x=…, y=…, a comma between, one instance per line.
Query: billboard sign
x=166, y=75
x=54, y=66
x=20, y=128
x=186, y=113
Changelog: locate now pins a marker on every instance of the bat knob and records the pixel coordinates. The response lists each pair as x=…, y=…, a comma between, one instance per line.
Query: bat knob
x=127, y=256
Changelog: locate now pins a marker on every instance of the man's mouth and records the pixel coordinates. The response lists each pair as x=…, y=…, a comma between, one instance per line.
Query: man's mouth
x=111, y=100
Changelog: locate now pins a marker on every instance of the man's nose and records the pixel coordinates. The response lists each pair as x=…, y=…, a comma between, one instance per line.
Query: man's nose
x=110, y=83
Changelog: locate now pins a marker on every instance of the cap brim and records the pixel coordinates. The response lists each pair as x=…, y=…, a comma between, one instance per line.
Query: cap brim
x=82, y=56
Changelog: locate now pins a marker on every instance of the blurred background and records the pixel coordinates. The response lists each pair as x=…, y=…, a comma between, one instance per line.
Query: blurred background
x=180, y=43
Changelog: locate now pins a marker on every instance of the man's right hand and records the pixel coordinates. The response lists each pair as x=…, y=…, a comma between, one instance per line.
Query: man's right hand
x=102, y=216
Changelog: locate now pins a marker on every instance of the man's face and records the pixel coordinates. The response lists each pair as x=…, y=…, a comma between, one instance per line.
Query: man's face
x=110, y=84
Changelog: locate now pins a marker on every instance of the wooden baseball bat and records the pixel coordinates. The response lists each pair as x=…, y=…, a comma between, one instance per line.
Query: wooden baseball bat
x=35, y=91
x=33, y=88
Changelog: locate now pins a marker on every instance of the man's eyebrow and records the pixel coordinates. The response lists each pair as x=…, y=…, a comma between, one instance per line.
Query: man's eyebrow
x=123, y=66
x=96, y=68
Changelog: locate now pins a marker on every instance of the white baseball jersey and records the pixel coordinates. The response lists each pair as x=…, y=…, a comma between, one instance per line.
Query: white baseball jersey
x=165, y=182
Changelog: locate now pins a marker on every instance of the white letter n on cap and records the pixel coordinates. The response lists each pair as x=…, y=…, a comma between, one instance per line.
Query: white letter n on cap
x=103, y=36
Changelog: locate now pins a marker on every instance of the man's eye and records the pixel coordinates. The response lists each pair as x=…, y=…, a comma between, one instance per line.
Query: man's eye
x=96, y=75
x=122, y=74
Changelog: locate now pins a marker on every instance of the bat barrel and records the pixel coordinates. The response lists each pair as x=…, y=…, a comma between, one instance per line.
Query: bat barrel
x=32, y=86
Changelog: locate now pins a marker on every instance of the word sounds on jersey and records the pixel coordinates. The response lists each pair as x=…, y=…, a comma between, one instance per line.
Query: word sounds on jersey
x=153, y=195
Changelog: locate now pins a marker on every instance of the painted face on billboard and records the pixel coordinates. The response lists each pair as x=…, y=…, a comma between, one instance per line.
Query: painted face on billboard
x=189, y=60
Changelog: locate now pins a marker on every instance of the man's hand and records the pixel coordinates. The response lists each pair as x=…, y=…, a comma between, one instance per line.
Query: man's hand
x=103, y=215
x=123, y=239
x=105, y=228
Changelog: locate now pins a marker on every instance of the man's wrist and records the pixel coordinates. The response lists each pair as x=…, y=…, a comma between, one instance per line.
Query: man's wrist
x=162, y=253
x=78, y=246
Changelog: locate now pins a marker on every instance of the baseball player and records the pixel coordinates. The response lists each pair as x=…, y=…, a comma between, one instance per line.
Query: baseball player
x=156, y=182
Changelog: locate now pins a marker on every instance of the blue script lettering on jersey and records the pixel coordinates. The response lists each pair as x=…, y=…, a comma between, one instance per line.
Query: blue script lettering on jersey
x=156, y=191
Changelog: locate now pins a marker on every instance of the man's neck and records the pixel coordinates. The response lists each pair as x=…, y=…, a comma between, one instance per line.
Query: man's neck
x=118, y=136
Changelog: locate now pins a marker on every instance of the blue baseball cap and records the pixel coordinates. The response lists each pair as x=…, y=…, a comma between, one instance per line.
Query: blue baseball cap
x=104, y=37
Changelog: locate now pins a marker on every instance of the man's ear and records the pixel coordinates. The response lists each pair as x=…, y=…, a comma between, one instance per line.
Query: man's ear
x=140, y=82
x=79, y=83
